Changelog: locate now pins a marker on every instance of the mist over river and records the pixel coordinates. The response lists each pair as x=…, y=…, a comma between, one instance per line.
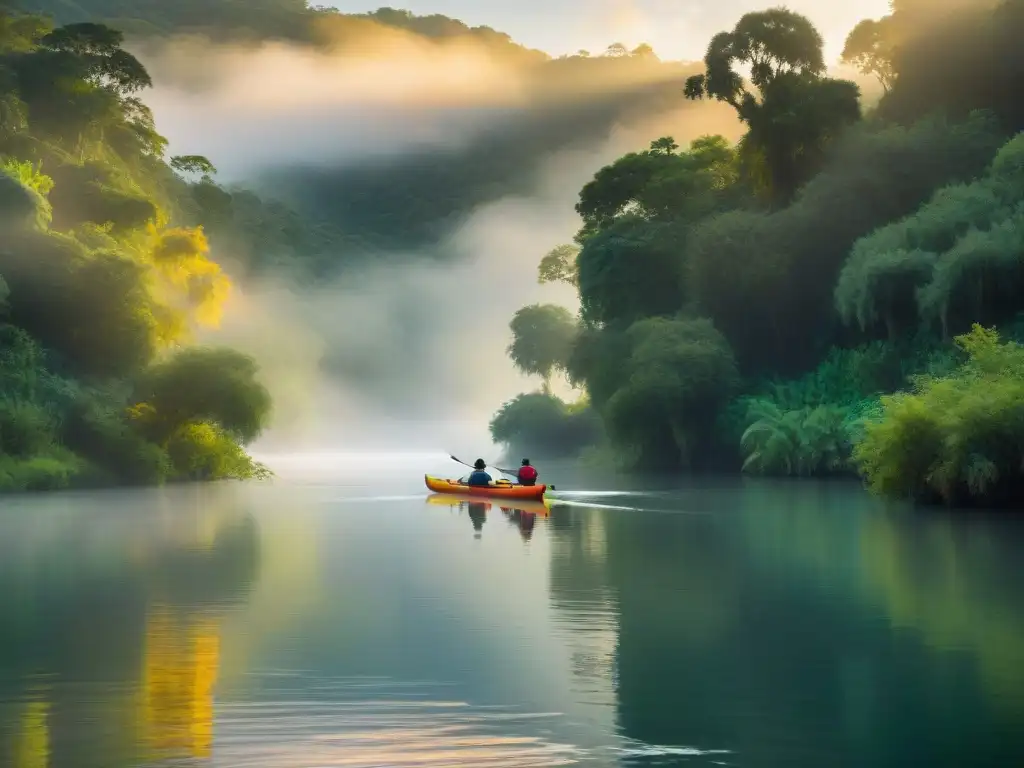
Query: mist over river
x=337, y=617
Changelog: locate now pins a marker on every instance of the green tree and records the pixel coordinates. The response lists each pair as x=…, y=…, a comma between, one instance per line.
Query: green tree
x=193, y=164
x=737, y=271
x=664, y=146
x=596, y=362
x=957, y=57
x=559, y=265
x=77, y=85
x=643, y=51
x=870, y=47
x=97, y=48
x=952, y=262
x=678, y=375
x=93, y=193
x=795, y=112
x=212, y=385
x=768, y=281
x=21, y=204
x=541, y=424
x=542, y=337
x=20, y=32
x=661, y=184
x=631, y=270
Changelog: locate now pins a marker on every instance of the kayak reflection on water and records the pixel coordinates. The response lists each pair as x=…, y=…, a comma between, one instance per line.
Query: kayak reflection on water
x=523, y=515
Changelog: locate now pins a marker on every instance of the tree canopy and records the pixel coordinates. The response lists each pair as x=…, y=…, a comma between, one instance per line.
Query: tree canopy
x=542, y=337
x=793, y=111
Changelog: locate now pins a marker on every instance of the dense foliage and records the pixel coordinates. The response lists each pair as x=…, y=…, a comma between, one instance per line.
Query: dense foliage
x=541, y=425
x=958, y=437
x=785, y=305
x=104, y=282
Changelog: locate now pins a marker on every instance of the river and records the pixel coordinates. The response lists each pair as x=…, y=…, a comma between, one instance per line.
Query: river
x=338, y=618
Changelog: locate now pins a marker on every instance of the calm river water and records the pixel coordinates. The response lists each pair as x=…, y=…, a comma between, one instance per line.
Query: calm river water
x=339, y=618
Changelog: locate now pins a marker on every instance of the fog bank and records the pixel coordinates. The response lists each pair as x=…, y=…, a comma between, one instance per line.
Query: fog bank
x=409, y=353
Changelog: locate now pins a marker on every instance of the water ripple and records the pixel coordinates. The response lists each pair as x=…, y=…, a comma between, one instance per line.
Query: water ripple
x=381, y=723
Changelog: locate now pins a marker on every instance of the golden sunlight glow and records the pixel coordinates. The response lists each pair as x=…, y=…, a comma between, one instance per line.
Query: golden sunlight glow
x=33, y=746
x=181, y=661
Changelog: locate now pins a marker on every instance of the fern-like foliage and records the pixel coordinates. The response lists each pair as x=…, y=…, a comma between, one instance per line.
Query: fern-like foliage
x=801, y=442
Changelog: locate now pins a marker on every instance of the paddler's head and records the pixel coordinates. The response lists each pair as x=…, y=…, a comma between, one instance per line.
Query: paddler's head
x=479, y=464
x=526, y=462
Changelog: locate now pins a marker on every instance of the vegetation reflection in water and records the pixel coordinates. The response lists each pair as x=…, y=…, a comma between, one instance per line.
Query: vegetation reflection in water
x=786, y=624
x=112, y=640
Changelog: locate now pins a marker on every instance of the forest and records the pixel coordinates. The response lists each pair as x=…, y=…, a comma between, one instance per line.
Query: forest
x=838, y=293
x=110, y=261
x=106, y=277
x=833, y=294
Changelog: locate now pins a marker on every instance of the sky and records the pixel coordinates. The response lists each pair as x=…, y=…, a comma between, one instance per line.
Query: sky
x=677, y=29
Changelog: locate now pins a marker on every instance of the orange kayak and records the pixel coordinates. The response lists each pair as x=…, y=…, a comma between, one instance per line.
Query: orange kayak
x=501, y=490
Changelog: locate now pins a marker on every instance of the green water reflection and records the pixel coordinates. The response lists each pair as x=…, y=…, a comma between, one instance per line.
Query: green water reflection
x=755, y=624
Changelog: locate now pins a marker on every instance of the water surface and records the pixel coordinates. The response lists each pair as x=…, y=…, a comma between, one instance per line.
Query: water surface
x=336, y=618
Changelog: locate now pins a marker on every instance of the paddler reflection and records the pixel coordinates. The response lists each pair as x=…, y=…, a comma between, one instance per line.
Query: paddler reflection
x=522, y=519
x=477, y=515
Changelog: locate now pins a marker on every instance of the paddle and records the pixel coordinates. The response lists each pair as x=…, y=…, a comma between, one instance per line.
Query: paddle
x=467, y=464
x=511, y=472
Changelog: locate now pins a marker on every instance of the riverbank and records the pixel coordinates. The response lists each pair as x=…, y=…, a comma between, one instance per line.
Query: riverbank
x=819, y=297
x=939, y=440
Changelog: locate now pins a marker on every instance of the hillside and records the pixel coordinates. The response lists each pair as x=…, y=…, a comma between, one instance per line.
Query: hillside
x=411, y=199
x=256, y=20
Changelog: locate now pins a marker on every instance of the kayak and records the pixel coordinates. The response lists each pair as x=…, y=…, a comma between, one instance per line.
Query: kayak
x=501, y=490
x=523, y=505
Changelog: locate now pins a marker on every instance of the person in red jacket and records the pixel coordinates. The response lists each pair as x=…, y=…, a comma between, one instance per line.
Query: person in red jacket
x=527, y=475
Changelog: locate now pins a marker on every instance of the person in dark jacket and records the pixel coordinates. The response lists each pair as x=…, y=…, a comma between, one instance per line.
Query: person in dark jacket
x=479, y=476
x=527, y=474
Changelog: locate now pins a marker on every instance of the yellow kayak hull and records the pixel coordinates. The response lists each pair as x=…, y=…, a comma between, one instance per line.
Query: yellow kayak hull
x=500, y=491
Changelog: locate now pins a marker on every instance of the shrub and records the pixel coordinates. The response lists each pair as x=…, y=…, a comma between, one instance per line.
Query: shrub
x=543, y=425
x=54, y=471
x=26, y=429
x=201, y=451
x=200, y=384
x=958, y=438
x=97, y=429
